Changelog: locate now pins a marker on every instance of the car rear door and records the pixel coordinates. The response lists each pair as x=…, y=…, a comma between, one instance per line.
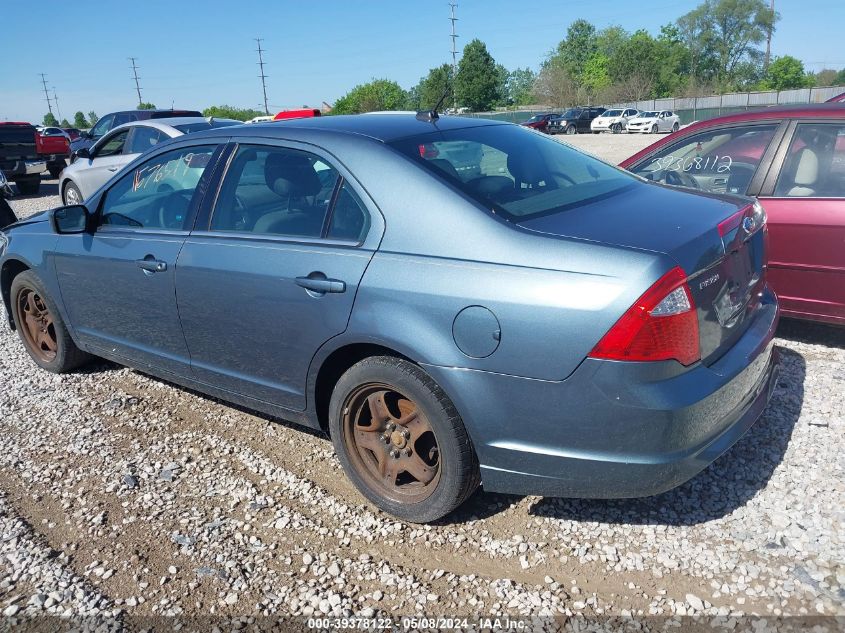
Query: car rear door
x=270, y=272
x=804, y=196
x=117, y=282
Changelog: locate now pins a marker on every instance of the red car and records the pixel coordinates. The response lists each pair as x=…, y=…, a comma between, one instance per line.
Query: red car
x=837, y=99
x=792, y=159
x=539, y=122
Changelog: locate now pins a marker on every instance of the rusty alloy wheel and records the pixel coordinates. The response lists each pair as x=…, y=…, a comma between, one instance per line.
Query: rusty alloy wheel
x=391, y=443
x=39, y=332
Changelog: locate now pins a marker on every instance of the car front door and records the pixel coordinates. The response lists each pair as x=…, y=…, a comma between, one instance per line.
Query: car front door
x=117, y=282
x=106, y=159
x=273, y=273
x=584, y=121
x=804, y=197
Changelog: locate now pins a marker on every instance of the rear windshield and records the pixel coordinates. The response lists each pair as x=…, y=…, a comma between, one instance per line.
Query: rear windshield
x=187, y=128
x=514, y=172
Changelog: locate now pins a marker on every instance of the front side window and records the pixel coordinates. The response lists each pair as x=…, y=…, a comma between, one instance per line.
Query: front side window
x=512, y=172
x=157, y=194
x=102, y=126
x=275, y=191
x=815, y=163
x=717, y=161
x=112, y=146
x=144, y=138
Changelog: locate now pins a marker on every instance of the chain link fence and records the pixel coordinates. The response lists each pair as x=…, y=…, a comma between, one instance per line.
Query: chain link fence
x=691, y=109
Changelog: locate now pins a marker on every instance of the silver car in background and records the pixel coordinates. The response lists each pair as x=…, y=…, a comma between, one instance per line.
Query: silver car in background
x=91, y=168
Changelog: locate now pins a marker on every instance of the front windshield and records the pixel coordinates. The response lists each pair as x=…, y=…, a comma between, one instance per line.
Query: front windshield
x=571, y=114
x=647, y=115
x=612, y=113
x=513, y=172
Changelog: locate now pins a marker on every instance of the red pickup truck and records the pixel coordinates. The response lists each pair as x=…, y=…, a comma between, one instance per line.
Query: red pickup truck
x=53, y=146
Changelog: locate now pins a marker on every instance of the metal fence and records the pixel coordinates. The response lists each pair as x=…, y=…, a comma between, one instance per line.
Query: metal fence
x=691, y=109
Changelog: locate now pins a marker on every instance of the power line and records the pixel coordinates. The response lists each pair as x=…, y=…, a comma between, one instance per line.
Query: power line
x=56, y=100
x=135, y=73
x=46, y=94
x=453, y=19
x=262, y=75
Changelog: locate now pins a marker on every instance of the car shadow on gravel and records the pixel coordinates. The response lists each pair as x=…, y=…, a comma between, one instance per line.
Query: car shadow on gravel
x=50, y=188
x=812, y=333
x=724, y=486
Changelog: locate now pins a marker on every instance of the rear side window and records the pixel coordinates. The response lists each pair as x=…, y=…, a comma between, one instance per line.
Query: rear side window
x=815, y=163
x=275, y=191
x=143, y=138
x=513, y=172
x=718, y=161
x=349, y=220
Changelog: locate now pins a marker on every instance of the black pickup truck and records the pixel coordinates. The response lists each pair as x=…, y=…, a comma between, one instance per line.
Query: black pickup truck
x=19, y=159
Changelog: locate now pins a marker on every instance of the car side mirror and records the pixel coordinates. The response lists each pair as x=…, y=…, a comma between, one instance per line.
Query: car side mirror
x=71, y=219
x=83, y=152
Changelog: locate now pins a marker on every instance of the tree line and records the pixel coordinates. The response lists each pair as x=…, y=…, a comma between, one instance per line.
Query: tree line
x=717, y=47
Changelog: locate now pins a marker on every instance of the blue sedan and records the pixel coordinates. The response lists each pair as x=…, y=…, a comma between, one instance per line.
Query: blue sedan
x=455, y=301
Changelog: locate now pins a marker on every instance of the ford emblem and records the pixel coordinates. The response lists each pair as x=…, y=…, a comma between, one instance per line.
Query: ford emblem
x=748, y=224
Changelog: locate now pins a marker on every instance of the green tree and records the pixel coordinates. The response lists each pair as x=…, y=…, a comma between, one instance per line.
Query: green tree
x=579, y=46
x=610, y=40
x=92, y=118
x=478, y=81
x=79, y=120
x=431, y=88
x=50, y=120
x=64, y=123
x=520, y=86
x=146, y=106
x=231, y=112
x=785, y=73
x=840, y=78
x=696, y=32
x=595, y=77
x=738, y=27
x=377, y=95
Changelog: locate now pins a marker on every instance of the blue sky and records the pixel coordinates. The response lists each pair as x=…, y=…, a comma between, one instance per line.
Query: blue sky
x=196, y=54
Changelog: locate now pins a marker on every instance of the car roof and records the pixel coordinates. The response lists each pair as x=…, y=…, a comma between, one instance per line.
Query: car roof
x=380, y=127
x=777, y=112
x=167, y=125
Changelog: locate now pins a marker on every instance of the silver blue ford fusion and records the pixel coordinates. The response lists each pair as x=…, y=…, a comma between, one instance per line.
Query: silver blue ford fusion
x=455, y=301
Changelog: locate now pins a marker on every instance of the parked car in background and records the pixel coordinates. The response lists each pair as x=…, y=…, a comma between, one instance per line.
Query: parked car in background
x=302, y=113
x=574, y=120
x=654, y=121
x=615, y=120
x=7, y=215
x=110, y=121
x=792, y=158
x=342, y=273
x=19, y=159
x=53, y=146
x=539, y=122
x=837, y=99
x=260, y=119
x=91, y=168
x=72, y=132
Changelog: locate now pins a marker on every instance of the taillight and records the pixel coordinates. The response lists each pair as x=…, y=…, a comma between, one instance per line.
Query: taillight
x=661, y=325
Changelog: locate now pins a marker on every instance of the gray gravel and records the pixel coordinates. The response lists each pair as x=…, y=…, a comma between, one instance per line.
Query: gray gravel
x=123, y=495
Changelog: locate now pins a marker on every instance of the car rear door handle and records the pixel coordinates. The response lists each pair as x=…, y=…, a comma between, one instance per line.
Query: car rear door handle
x=151, y=265
x=321, y=284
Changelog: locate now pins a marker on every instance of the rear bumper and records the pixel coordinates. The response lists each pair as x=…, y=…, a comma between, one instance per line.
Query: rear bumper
x=615, y=429
x=23, y=168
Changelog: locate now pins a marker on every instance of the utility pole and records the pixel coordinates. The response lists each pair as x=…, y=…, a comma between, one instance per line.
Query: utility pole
x=135, y=73
x=769, y=40
x=453, y=19
x=56, y=101
x=262, y=75
x=46, y=94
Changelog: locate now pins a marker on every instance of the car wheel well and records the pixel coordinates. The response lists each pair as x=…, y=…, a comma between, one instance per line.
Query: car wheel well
x=334, y=366
x=11, y=269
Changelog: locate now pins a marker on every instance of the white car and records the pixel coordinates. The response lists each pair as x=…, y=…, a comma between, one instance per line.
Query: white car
x=613, y=120
x=654, y=122
x=91, y=168
x=259, y=119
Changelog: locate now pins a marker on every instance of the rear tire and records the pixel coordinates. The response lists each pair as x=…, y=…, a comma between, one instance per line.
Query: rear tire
x=29, y=186
x=426, y=467
x=40, y=326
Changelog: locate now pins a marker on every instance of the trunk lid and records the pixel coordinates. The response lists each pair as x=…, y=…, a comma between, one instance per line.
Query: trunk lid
x=726, y=269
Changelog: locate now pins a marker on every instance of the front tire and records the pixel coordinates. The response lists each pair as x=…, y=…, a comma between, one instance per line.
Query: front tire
x=654, y=129
x=676, y=127
x=71, y=194
x=571, y=129
x=41, y=328
x=616, y=128
x=401, y=441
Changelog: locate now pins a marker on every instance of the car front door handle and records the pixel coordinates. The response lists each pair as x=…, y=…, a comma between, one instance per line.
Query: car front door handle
x=321, y=284
x=112, y=168
x=151, y=265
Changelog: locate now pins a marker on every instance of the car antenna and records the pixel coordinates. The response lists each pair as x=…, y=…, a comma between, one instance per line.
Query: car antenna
x=431, y=115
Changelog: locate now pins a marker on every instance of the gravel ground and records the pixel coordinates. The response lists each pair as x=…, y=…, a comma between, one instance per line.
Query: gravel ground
x=122, y=496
